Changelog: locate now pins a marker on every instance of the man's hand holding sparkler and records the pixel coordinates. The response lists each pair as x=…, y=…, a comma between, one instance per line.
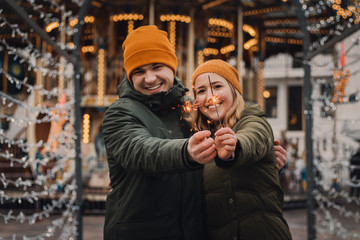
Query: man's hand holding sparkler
x=225, y=143
x=201, y=148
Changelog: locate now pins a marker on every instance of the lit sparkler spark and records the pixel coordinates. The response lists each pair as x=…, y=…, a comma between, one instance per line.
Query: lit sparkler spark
x=188, y=106
x=214, y=100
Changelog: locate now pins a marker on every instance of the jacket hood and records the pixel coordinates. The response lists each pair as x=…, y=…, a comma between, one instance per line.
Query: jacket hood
x=253, y=110
x=156, y=102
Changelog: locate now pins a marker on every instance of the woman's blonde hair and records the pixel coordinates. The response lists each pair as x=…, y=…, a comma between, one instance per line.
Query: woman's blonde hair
x=232, y=116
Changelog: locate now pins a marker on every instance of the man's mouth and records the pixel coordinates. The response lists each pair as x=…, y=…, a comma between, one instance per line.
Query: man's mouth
x=154, y=87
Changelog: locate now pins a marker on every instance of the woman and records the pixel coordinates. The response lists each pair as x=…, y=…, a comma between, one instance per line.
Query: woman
x=243, y=198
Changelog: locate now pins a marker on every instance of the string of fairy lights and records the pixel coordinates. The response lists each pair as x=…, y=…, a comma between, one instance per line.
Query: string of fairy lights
x=30, y=49
x=355, y=43
x=331, y=194
x=335, y=205
x=46, y=15
x=51, y=161
x=345, y=17
x=65, y=221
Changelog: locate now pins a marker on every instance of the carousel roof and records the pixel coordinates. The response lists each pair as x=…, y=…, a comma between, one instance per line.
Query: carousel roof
x=274, y=21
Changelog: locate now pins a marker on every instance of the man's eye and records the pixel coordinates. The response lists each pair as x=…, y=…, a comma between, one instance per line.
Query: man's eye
x=137, y=72
x=157, y=66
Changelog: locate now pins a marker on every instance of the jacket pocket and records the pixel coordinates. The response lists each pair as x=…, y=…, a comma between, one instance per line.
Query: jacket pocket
x=150, y=229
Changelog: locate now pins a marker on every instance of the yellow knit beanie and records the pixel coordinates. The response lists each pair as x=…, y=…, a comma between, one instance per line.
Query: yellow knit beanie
x=220, y=67
x=146, y=45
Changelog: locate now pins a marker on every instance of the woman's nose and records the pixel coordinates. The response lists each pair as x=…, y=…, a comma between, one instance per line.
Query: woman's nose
x=208, y=94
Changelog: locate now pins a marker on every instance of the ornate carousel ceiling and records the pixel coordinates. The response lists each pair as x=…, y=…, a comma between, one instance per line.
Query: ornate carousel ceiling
x=272, y=25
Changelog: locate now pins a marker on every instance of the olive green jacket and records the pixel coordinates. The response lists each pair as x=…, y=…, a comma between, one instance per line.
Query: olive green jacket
x=243, y=198
x=156, y=191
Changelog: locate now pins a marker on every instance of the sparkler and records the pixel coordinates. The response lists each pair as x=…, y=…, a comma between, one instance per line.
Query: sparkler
x=214, y=99
x=187, y=108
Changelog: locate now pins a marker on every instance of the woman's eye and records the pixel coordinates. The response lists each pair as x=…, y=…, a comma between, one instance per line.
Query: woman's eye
x=217, y=86
x=200, y=91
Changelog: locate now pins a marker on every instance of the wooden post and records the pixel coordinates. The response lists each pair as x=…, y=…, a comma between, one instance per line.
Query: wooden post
x=152, y=12
x=5, y=81
x=240, y=43
x=190, y=50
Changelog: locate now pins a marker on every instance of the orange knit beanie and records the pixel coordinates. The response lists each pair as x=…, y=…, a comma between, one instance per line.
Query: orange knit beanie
x=220, y=67
x=146, y=45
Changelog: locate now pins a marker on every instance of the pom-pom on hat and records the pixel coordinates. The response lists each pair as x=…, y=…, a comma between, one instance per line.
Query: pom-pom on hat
x=146, y=45
x=220, y=67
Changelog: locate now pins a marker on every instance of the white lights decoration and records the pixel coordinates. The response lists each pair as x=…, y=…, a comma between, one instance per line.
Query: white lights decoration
x=50, y=161
x=336, y=206
x=347, y=14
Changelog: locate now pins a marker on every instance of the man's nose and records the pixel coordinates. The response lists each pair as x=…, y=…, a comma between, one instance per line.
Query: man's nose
x=150, y=76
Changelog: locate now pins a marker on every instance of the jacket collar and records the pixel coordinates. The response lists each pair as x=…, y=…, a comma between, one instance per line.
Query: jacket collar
x=156, y=102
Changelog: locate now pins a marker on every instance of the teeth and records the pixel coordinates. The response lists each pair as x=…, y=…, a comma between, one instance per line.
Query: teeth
x=155, y=87
x=213, y=106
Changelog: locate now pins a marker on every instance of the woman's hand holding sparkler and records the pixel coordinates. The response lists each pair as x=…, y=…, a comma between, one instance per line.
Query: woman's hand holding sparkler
x=201, y=148
x=225, y=143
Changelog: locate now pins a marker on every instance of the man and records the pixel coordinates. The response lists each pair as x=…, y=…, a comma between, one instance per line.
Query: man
x=156, y=181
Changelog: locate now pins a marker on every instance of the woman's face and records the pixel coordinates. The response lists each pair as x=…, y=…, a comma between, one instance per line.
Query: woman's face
x=223, y=97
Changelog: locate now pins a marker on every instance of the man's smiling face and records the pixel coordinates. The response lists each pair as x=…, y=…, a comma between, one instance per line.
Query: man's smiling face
x=153, y=78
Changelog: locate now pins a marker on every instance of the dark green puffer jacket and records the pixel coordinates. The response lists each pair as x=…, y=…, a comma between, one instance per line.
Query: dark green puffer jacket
x=156, y=191
x=244, y=200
